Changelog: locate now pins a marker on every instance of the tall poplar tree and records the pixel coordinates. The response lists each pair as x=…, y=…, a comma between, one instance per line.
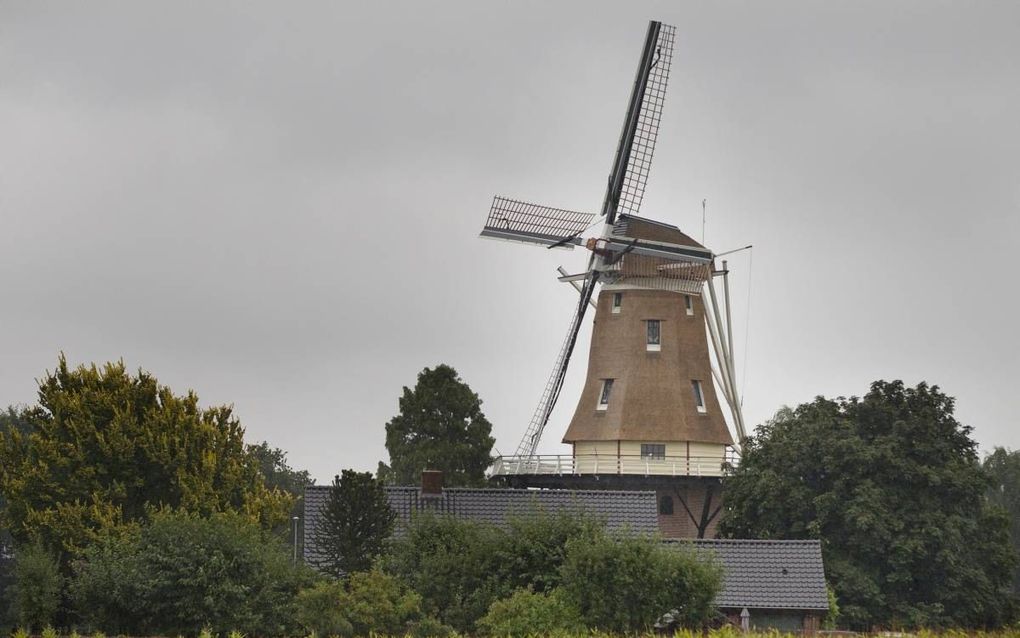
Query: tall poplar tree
x=353, y=525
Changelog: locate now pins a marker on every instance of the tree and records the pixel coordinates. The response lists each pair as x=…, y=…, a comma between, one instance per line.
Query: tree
x=626, y=584
x=182, y=573
x=278, y=474
x=106, y=448
x=354, y=523
x=440, y=427
x=892, y=486
x=12, y=419
x=1003, y=469
x=37, y=587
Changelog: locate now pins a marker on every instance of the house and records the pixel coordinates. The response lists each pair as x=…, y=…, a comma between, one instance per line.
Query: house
x=770, y=584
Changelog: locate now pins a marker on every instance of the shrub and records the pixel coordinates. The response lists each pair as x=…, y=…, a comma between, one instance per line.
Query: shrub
x=451, y=563
x=369, y=602
x=379, y=603
x=319, y=610
x=37, y=586
x=527, y=613
x=184, y=573
x=461, y=567
x=429, y=627
x=626, y=584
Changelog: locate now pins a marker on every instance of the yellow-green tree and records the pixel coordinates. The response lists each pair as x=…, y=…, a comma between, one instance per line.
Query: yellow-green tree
x=106, y=447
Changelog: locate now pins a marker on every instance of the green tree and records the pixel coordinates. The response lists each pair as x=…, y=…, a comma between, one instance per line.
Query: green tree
x=368, y=603
x=1003, y=469
x=183, y=572
x=37, y=587
x=892, y=486
x=526, y=613
x=12, y=419
x=278, y=474
x=354, y=523
x=440, y=427
x=105, y=448
x=626, y=584
x=462, y=567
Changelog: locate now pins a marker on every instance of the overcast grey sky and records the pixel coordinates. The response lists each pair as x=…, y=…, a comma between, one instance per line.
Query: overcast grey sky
x=277, y=204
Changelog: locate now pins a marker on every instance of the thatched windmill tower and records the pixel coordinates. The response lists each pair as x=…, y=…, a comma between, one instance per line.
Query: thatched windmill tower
x=649, y=415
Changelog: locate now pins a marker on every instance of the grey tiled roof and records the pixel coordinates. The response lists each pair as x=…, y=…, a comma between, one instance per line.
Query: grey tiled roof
x=635, y=511
x=765, y=574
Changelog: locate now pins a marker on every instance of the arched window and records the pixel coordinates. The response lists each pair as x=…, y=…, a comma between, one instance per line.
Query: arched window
x=666, y=505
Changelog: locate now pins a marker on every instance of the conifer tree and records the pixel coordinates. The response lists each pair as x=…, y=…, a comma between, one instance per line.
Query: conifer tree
x=353, y=524
x=440, y=427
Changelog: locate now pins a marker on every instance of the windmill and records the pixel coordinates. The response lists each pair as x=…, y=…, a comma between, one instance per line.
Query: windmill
x=649, y=394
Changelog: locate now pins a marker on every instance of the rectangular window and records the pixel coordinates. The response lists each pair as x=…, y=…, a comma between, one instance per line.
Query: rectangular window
x=654, y=338
x=699, y=396
x=689, y=305
x=607, y=387
x=617, y=301
x=653, y=451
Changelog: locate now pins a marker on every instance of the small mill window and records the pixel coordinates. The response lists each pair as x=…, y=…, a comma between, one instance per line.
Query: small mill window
x=653, y=451
x=699, y=396
x=689, y=305
x=617, y=301
x=654, y=340
x=607, y=387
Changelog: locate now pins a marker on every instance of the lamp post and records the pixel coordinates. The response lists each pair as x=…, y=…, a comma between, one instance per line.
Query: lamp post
x=295, y=525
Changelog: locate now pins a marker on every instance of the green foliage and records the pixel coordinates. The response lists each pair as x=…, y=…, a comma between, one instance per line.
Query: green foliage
x=379, y=603
x=440, y=427
x=452, y=564
x=278, y=474
x=182, y=573
x=37, y=586
x=461, y=567
x=12, y=419
x=368, y=603
x=354, y=523
x=320, y=610
x=1003, y=469
x=105, y=447
x=48, y=632
x=892, y=486
x=626, y=584
x=526, y=613
x=832, y=616
x=21, y=632
x=429, y=627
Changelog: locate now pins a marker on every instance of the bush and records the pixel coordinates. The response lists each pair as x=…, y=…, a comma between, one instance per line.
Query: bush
x=319, y=610
x=37, y=587
x=184, y=573
x=451, y=563
x=626, y=584
x=526, y=613
x=461, y=567
x=369, y=603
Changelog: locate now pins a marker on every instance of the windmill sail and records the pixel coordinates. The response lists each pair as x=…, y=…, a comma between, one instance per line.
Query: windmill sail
x=515, y=220
x=641, y=127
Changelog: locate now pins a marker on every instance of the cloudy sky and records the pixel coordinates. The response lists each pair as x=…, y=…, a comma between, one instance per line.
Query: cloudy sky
x=277, y=204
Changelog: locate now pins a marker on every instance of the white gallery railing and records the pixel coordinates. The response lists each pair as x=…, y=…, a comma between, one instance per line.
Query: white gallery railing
x=590, y=464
